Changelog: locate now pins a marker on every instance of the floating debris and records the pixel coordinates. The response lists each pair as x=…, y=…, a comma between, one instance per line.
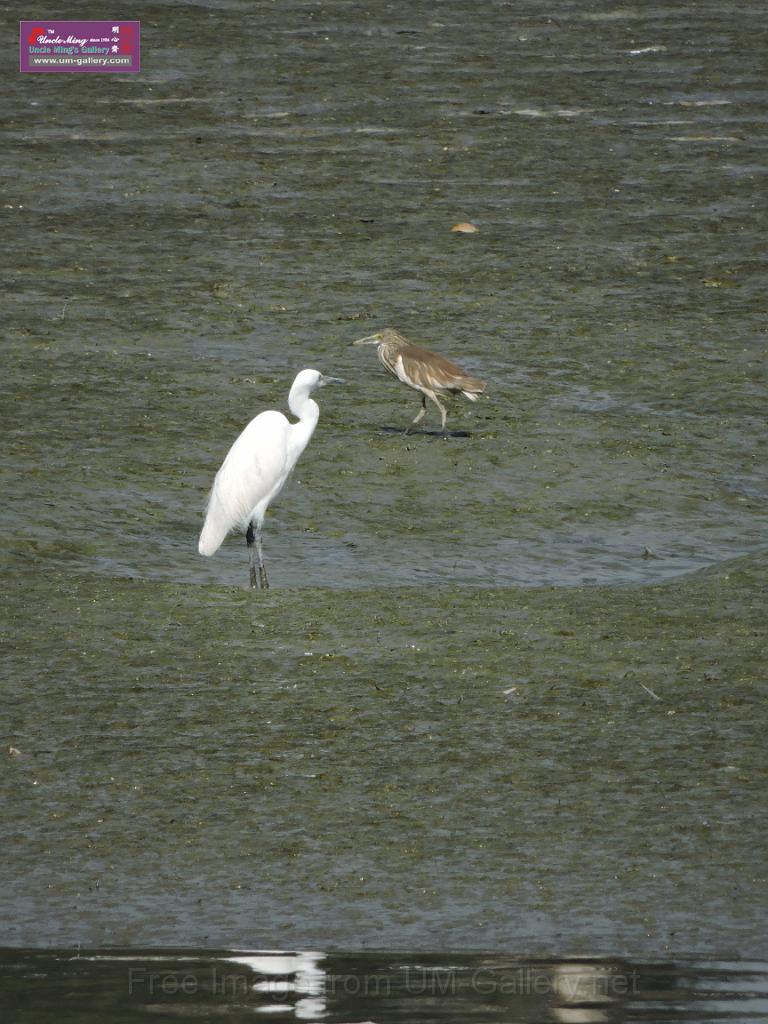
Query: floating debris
x=645, y=49
x=465, y=228
x=649, y=690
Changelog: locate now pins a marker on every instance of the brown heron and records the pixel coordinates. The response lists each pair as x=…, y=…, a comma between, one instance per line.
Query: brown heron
x=422, y=370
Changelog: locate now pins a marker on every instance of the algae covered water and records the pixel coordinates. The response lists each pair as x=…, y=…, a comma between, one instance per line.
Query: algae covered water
x=508, y=690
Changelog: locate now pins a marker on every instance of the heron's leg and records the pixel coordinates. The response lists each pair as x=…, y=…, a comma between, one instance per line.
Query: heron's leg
x=441, y=407
x=419, y=414
x=250, y=538
x=262, y=568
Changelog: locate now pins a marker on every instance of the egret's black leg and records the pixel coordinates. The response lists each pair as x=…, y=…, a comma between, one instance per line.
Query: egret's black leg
x=250, y=538
x=262, y=568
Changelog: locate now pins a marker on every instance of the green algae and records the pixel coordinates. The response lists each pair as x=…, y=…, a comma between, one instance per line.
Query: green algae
x=464, y=767
x=509, y=688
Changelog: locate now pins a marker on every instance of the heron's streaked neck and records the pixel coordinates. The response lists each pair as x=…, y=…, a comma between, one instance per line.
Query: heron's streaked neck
x=393, y=339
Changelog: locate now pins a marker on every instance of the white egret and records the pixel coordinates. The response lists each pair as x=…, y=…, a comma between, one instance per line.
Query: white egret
x=255, y=470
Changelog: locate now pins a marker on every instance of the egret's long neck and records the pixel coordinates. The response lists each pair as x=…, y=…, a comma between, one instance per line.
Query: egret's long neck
x=302, y=406
x=307, y=411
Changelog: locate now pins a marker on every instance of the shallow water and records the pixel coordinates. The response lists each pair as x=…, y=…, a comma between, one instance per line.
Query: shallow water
x=183, y=240
x=508, y=690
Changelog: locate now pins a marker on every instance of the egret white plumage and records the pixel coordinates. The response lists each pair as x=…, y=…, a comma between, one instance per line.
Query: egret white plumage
x=255, y=470
x=422, y=370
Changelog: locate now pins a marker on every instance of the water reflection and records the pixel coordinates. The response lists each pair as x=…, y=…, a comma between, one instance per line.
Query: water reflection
x=298, y=977
x=584, y=992
x=112, y=986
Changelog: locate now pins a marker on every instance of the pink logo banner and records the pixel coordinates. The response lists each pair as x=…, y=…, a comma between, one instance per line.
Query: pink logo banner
x=104, y=46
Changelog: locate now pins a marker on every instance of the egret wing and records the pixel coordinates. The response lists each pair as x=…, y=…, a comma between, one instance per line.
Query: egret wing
x=251, y=475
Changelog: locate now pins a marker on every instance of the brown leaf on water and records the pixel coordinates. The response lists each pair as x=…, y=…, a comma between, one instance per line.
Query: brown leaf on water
x=466, y=228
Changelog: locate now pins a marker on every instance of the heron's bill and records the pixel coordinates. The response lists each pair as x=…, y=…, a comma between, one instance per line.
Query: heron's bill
x=330, y=380
x=371, y=339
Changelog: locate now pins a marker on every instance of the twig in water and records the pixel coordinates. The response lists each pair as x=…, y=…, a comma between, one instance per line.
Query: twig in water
x=649, y=690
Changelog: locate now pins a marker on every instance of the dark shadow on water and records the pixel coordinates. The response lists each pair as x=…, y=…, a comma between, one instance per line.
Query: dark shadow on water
x=424, y=433
x=114, y=986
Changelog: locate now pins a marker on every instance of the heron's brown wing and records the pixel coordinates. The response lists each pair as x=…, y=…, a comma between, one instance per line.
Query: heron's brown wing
x=429, y=370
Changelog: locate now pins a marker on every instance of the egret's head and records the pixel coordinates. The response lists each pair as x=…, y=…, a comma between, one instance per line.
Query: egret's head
x=308, y=380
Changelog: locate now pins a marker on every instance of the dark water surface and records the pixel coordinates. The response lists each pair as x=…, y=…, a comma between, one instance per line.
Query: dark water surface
x=380, y=988
x=508, y=691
